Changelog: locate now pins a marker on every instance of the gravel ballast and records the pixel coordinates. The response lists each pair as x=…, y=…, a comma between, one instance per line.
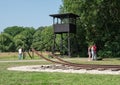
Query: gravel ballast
x=59, y=68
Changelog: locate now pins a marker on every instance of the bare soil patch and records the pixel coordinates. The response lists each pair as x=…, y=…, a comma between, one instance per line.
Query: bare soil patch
x=61, y=68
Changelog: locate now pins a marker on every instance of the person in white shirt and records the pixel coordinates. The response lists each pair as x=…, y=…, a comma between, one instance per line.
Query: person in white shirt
x=92, y=52
x=89, y=53
x=20, y=53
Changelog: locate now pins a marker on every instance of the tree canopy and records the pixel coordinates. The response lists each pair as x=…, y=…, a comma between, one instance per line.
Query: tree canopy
x=100, y=22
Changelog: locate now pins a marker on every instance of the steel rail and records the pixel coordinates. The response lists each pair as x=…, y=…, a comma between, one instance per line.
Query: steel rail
x=76, y=64
x=63, y=62
x=40, y=55
x=57, y=62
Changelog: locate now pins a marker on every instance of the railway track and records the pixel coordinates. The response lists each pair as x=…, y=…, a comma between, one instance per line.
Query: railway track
x=78, y=66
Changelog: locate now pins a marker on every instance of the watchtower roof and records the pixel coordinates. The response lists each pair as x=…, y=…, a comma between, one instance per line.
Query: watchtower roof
x=65, y=15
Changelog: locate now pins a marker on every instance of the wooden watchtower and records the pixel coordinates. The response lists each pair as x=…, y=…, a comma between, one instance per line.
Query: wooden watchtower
x=64, y=23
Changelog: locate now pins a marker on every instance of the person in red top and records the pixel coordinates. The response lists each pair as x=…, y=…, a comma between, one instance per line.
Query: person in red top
x=95, y=49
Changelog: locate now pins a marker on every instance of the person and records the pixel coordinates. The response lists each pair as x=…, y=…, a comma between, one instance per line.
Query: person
x=89, y=53
x=95, y=49
x=20, y=53
x=93, y=52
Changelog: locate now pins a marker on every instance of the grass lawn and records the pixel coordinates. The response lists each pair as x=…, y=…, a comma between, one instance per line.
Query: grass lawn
x=46, y=78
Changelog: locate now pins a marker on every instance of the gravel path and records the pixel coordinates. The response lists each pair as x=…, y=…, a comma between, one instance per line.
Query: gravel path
x=37, y=68
x=2, y=61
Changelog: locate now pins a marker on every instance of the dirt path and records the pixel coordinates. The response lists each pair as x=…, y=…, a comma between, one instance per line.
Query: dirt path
x=20, y=60
x=40, y=68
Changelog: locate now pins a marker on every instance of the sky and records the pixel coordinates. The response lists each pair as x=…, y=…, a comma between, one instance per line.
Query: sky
x=27, y=13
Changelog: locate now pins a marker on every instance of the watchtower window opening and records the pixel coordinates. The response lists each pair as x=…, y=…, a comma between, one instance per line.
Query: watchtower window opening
x=64, y=21
x=56, y=21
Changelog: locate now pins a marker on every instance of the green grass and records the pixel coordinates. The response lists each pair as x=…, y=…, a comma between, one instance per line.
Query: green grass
x=46, y=78
x=30, y=78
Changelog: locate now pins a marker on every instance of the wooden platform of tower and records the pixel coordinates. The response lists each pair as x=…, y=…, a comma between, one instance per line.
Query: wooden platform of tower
x=64, y=24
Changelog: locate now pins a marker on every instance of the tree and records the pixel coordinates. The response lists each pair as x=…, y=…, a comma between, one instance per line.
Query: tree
x=6, y=42
x=99, y=23
x=14, y=30
x=37, y=38
x=46, y=38
x=108, y=22
x=43, y=39
x=24, y=39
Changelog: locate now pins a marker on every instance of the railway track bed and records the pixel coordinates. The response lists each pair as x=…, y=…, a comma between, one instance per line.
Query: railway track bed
x=65, y=66
x=79, y=66
x=65, y=69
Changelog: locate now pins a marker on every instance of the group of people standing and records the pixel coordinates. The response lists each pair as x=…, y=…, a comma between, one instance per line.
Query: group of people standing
x=92, y=52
